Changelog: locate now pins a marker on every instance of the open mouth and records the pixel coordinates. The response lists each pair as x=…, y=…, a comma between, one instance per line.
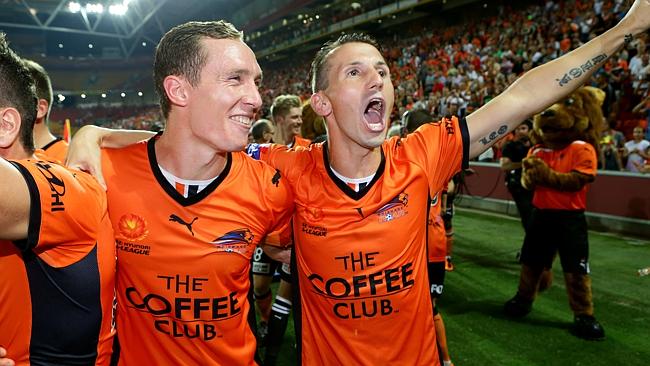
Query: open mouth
x=374, y=115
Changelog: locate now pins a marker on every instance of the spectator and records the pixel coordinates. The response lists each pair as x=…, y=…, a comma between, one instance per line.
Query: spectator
x=636, y=151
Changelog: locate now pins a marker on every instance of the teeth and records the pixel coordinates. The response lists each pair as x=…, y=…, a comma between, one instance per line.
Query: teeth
x=243, y=120
x=376, y=104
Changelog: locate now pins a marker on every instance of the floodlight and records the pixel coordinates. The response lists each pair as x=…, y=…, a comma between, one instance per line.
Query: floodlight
x=94, y=8
x=118, y=9
x=74, y=7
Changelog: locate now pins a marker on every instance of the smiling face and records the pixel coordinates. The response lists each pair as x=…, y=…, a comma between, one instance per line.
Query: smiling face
x=360, y=94
x=223, y=104
x=290, y=123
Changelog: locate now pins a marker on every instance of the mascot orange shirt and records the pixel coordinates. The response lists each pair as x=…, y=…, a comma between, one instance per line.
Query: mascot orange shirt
x=579, y=157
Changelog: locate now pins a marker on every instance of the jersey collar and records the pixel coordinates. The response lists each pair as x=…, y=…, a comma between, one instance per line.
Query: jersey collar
x=344, y=187
x=171, y=191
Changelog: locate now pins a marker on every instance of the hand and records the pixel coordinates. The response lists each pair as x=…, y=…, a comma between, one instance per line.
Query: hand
x=84, y=152
x=637, y=19
x=3, y=360
x=277, y=254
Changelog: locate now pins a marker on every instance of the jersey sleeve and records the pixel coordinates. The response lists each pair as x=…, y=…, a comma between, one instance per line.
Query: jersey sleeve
x=585, y=160
x=278, y=156
x=440, y=148
x=278, y=200
x=66, y=211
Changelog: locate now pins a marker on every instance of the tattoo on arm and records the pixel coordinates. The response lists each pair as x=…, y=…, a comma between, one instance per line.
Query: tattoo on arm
x=576, y=72
x=628, y=38
x=494, y=135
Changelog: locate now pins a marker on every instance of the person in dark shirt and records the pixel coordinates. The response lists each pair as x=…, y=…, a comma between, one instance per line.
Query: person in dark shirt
x=512, y=154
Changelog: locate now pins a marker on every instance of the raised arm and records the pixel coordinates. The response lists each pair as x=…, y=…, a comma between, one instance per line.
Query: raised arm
x=84, y=151
x=544, y=85
x=14, y=203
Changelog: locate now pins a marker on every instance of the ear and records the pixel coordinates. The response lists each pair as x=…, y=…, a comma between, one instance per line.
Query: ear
x=42, y=108
x=598, y=94
x=9, y=126
x=177, y=90
x=321, y=104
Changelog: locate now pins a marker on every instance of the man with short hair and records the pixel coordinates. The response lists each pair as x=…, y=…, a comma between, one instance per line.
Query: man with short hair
x=636, y=150
x=286, y=112
x=189, y=207
x=56, y=244
x=54, y=147
x=513, y=152
x=262, y=131
x=356, y=194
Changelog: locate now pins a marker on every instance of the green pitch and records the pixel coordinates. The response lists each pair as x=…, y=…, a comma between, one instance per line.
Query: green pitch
x=486, y=276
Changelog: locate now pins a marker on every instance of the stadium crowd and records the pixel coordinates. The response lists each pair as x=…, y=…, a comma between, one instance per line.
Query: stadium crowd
x=456, y=69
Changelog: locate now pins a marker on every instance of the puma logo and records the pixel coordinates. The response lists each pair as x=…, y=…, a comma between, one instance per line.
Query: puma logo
x=276, y=178
x=174, y=218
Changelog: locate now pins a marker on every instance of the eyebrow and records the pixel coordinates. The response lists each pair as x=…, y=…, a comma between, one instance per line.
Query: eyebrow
x=356, y=63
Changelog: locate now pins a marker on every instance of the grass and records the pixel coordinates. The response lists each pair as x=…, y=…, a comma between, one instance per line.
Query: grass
x=486, y=276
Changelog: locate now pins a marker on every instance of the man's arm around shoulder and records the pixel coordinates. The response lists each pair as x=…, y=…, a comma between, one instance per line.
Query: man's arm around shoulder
x=14, y=203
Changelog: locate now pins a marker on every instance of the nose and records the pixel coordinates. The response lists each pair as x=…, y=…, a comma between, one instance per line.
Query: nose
x=252, y=97
x=548, y=113
x=376, y=80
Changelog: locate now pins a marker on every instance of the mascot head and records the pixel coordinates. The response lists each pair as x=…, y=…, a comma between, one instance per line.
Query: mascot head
x=578, y=116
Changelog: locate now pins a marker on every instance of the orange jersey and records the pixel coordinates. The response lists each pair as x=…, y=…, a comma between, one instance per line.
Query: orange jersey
x=184, y=263
x=57, y=150
x=300, y=141
x=578, y=157
x=283, y=236
x=361, y=261
x=57, y=285
x=437, y=238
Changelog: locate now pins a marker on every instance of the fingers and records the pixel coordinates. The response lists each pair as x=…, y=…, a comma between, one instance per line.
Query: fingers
x=5, y=361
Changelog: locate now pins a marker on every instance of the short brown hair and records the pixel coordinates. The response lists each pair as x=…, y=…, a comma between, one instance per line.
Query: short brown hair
x=17, y=91
x=283, y=103
x=319, y=66
x=42, y=82
x=180, y=53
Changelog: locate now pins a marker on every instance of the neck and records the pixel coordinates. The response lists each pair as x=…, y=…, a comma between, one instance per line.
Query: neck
x=181, y=155
x=283, y=137
x=16, y=152
x=353, y=161
x=42, y=134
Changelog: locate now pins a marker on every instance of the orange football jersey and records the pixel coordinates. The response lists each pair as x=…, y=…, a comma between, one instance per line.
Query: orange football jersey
x=57, y=150
x=58, y=285
x=361, y=257
x=183, y=275
x=283, y=236
x=580, y=157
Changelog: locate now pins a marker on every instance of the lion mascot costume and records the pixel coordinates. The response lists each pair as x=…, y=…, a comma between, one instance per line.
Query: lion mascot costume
x=560, y=165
